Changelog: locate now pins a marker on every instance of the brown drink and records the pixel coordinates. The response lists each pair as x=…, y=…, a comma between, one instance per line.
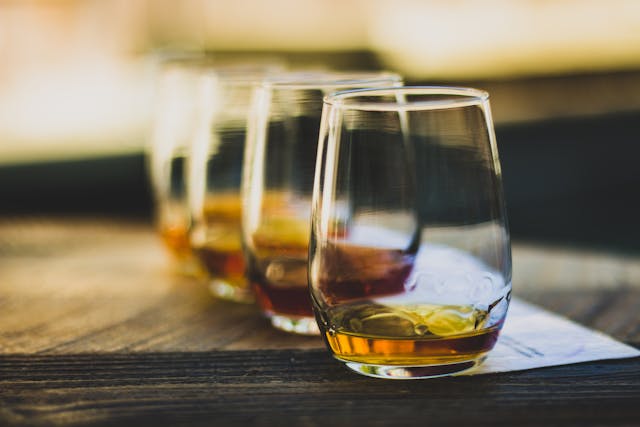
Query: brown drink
x=374, y=315
x=216, y=241
x=424, y=334
x=176, y=238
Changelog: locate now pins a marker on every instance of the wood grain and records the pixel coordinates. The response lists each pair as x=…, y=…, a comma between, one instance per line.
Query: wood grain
x=92, y=286
x=96, y=328
x=301, y=387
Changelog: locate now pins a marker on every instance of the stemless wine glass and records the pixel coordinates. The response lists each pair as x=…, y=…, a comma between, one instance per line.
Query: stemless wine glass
x=215, y=172
x=410, y=261
x=282, y=140
x=172, y=130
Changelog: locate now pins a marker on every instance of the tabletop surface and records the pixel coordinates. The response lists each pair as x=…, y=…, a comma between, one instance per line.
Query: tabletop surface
x=96, y=327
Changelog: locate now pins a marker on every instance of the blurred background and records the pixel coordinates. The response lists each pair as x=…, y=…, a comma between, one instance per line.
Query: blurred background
x=77, y=91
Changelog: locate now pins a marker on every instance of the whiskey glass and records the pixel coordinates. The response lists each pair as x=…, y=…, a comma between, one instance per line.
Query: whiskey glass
x=171, y=135
x=280, y=157
x=214, y=177
x=409, y=259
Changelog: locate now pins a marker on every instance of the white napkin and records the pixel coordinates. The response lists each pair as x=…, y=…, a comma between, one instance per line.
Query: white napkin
x=535, y=338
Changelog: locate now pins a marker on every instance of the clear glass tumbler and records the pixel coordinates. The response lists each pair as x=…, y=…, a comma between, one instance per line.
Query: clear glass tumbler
x=280, y=159
x=410, y=260
x=172, y=131
x=215, y=173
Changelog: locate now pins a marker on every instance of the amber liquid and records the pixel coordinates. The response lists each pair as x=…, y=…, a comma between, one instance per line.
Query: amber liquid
x=171, y=211
x=176, y=238
x=413, y=336
x=352, y=272
x=217, y=241
x=278, y=271
x=372, y=316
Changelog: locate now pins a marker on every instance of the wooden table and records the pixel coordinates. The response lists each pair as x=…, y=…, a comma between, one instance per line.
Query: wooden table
x=96, y=328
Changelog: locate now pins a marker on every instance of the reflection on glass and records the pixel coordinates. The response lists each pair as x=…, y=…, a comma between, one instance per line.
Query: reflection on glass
x=280, y=160
x=173, y=128
x=410, y=263
x=215, y=171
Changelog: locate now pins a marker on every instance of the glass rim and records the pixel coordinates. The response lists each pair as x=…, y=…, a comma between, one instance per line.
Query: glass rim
x=237, y=77
x=234, y=73
x=328, y=79
x=460, y=97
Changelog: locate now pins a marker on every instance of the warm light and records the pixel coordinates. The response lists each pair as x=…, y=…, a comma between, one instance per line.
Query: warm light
x=80, y=108
x=471, y=39
x=75, y=80
x=68, y=88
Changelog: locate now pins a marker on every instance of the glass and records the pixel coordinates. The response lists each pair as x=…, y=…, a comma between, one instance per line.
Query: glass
x=410, y=260
x=215, y=172
x=279, y=165
x=172, y=131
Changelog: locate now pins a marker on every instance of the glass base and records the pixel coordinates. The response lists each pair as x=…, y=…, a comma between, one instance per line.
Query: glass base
x=295, y=325
x=225, y=290
x=412, y=372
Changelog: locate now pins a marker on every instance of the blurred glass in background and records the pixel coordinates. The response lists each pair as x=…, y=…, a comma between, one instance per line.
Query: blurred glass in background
x=174, y=121
x=215, y=166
